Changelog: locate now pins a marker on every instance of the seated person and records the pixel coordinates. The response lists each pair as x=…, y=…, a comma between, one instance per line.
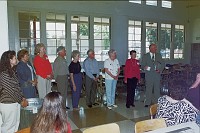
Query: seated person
x=193, y=94
x=52, y=117
x=175, y=109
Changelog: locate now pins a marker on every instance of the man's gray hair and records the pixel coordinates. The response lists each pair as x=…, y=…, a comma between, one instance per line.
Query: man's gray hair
x=111, y=51
x=75, y=53
x=60, y=48
x=90, y=50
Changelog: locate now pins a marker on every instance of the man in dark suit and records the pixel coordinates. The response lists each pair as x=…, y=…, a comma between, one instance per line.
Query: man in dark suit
x=153, y=65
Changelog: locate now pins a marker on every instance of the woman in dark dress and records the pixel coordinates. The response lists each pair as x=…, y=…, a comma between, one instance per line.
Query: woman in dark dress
x=76, y=78
x=26, y=74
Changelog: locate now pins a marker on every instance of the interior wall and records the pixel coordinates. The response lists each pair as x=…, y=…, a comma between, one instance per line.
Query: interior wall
x=4, y=27
x=119, y=11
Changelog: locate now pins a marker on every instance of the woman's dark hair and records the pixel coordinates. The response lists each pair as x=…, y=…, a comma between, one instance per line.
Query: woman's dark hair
x=52, y=115
x=21, y=54
x=132, y=51
x=178, y=89
x=5, y=62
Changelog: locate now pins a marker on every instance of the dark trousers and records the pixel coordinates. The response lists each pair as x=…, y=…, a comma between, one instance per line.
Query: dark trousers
x=91, y=87
x=131, y=85
x=76, y=94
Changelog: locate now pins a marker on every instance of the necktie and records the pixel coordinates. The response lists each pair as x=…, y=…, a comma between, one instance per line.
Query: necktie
x=153, y=57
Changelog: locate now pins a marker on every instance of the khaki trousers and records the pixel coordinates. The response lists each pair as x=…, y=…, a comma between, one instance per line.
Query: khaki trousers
x=43, y=86
x=9, y=117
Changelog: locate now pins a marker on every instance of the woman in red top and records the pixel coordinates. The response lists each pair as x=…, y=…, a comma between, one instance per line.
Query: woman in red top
x=43, y=70
x=131, y=77
x=52, y=117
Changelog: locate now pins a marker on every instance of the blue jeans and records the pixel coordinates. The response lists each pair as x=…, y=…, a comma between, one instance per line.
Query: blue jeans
x=110, y=91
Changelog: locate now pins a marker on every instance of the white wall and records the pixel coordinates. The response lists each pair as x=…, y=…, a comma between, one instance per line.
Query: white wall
x=4, y=45
x=119, y=11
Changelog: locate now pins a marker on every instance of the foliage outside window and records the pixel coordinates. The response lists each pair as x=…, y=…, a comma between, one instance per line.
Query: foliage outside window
x=179, y=39
x=134, y=37
x=135, y=1
x=80, y=35
x=29, y=30
x=101, y=38
x=166, y=4
x=165, y=41
x=151, y=2
x=55, y=33
x=151, y=34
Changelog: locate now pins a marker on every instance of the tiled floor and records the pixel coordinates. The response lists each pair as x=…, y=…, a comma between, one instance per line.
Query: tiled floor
x=125, y=118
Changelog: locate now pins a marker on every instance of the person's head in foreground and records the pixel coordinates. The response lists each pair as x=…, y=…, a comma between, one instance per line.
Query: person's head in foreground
x=178, y=89
x=52, y=117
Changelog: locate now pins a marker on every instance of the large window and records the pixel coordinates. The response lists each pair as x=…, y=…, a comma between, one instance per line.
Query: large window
x=101, y=37
x=166, y=4
x=29, y=30
x=55, y=33
x=134, y=37
x=179, y=39
x=151, y=2
x=151, y=34
x=80, y=34
x=165, y=40
x=135, y=1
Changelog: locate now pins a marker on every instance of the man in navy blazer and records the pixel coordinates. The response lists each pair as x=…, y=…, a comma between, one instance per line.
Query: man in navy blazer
x=153, y=65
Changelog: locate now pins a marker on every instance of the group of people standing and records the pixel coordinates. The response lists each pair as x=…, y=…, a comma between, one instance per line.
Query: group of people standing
x=19, y=80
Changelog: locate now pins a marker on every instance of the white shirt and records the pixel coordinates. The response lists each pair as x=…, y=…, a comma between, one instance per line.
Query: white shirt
x=151, y=54
x=112, y=66
x=31, y=71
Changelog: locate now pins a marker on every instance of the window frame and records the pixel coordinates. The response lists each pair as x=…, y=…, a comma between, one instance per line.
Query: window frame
x=55, y=21
x=102, y=54
x=78, y=22
x=134, y=36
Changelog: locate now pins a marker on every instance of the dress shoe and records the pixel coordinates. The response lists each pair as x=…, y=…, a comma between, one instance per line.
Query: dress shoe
x=95, y=104
x=127, y=106
x=90, y=106
x=67, y=107
x=146, y=106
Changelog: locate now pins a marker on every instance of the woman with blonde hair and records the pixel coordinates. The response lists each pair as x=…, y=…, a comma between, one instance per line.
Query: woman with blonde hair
x=52, y=117
x=76, y=78
x=43, y=70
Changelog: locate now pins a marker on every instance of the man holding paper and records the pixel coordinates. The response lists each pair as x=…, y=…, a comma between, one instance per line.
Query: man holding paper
x=153, y=65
